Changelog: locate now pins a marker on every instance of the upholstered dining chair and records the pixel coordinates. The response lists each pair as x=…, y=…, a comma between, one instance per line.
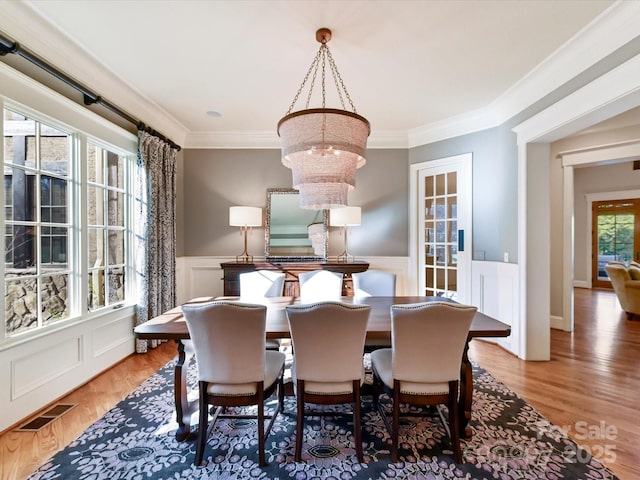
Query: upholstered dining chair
x=328, y=340
x=320, y=285
x=261, y=284
x=422, y=367
x=258, y=285
x=374, y=283
x=234, y=368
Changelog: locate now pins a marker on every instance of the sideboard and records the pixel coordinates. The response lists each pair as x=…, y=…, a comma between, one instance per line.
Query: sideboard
x=232, y=271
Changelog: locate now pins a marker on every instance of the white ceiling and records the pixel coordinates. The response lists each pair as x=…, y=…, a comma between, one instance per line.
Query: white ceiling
x=406, y=64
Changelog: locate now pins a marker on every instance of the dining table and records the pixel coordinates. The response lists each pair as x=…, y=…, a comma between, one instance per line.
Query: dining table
x=171, y=325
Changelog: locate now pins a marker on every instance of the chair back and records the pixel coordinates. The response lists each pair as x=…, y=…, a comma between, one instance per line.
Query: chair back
x=228, y=340
x=428, y=340
x=328, y=340
x=374, y=283
x=261, y=284
x=320, y=285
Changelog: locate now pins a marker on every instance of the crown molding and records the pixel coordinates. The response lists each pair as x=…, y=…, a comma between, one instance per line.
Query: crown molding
x=20, y=21
x=268, y=139
x=609, y=31
x=612, y=29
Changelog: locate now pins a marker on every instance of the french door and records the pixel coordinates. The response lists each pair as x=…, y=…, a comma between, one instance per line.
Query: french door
x=444, y=227
x=616, y=236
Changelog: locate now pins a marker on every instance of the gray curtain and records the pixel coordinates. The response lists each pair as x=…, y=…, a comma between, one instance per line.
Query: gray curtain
x=155, y=230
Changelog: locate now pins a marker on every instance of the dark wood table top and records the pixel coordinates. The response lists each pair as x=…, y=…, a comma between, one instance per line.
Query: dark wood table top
x=171, y=325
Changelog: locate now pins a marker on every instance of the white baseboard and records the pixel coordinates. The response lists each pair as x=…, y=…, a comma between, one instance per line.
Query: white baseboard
x=559, y=323
x=581, y=284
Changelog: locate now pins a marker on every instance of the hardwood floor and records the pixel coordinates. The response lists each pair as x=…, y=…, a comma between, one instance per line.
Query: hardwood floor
x=592, y=383
x=21, y=453
x=590, y=386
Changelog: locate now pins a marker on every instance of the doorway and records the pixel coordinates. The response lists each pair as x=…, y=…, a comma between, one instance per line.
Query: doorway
x=615, y=227
x=442, y=218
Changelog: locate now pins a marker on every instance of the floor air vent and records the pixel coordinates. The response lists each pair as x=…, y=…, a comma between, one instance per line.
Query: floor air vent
x=46, y=418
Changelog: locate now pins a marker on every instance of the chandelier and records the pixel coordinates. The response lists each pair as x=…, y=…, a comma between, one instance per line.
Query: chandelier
x=323, y=147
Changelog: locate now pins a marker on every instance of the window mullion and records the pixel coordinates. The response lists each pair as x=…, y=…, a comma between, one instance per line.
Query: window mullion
x=81, y=222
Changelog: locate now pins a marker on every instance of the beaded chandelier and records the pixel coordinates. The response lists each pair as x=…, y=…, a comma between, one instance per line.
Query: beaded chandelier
x=323, y=147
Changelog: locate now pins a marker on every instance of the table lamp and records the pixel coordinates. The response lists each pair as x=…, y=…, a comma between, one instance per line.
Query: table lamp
x=245, y=217
x=345, y=217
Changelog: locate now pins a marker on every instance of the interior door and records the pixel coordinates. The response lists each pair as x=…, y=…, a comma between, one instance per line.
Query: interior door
x=616, y=236
x=444, y=228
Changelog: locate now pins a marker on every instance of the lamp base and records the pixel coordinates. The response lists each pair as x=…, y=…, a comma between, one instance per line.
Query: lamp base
x=345, y=257
x=244, y=258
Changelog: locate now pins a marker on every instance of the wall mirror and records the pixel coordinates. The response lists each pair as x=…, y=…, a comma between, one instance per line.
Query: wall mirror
x=293, y=233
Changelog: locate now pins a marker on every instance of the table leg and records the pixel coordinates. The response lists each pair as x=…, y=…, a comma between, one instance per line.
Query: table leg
x=184, y=408
x=466, y=393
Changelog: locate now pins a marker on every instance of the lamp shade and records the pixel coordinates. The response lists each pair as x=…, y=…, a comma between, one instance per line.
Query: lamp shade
x=245, y=216
x=345, y=217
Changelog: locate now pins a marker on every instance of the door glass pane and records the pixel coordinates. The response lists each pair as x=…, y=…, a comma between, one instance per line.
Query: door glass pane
x=615, y=239
x=440, y=184
x=428, y=186
x=452, y=183
x=441, y=234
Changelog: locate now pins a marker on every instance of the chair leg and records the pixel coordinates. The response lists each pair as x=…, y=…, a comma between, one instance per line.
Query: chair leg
x=261, y=459
x=375, y=393
x=454, y=421
x=357, y=422
x=202, y=424
x=300, y=420
x=395, y=423
x=281, y=393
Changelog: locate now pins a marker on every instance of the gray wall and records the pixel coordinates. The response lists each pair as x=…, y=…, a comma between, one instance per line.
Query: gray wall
x=606, y=178
x=593, y=179
x=213, y=180
x=495, y=194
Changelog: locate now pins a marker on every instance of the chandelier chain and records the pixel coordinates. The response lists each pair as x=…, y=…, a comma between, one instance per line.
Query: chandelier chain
x=324, y=62
x=337, y=76
x=313, y=83
x=306, y=77
x=322, y=56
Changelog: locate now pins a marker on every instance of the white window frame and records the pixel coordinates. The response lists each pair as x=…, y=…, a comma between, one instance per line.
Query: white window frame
x=52, y=109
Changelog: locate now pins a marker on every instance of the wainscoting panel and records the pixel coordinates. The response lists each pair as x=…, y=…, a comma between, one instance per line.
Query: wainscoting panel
x=109, y=335
x=36, y=369
x=39, y=370
x=202, y=276
x=495, y=290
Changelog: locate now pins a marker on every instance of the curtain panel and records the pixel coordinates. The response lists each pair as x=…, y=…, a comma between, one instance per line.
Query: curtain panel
x=155, y=230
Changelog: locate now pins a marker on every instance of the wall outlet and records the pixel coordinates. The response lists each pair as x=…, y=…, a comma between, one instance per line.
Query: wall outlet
x=506, y=257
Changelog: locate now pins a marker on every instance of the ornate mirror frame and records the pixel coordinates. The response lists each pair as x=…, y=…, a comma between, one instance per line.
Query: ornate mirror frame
x=286, y=228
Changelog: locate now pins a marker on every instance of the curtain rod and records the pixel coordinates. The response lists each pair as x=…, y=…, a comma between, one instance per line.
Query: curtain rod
x=7, y=46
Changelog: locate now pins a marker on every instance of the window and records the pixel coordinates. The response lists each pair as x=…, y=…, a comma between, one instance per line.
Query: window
x=55, y=210
x=106, y=208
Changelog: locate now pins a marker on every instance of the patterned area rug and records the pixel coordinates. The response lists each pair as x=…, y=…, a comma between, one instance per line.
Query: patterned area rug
x=135, y=440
